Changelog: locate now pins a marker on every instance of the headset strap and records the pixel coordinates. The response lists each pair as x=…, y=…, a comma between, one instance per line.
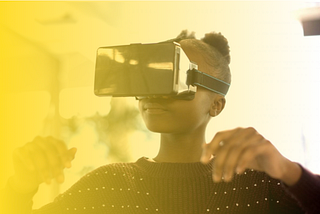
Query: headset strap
x=195, y=77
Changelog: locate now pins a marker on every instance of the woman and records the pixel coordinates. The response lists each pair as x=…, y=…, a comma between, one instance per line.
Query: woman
x=240, y=171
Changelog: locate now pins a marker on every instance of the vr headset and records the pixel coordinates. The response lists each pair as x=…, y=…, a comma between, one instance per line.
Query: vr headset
x=150, y=70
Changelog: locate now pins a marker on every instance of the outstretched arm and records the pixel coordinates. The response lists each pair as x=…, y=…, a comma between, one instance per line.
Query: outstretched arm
x=244, y=148
x=37, y=162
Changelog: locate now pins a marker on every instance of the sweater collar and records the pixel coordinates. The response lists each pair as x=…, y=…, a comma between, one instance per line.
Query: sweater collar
x=169, y=170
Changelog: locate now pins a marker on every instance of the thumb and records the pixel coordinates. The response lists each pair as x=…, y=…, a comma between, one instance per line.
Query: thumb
x=206, y=155
x=71, y=155
x=73, y=152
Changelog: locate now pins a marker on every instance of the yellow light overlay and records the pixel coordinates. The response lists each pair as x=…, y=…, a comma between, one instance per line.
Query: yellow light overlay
x=47, y=62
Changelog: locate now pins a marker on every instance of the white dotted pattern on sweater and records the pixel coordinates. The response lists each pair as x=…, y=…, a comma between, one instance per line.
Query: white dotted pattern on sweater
x=147, y=209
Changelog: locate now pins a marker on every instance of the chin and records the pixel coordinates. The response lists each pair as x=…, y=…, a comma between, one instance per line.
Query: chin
x=166, y=129
x=159, y=129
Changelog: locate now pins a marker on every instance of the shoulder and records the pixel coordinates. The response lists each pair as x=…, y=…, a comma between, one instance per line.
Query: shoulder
x=114, y=169
x=256, y=178
x=115, y=176
x=113, y=173
x=256, y=181
x=259, y=187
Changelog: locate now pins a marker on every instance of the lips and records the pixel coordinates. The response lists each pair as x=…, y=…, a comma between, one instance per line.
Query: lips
x=154, y=108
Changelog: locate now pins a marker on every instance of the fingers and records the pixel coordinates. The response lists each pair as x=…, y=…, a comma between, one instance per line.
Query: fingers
x=48, y=160
x=239, y=148
x=213, y=146
x=60, y=148
x=253, y=153
x=21, y=156
x=42, y=160
x=72, y=153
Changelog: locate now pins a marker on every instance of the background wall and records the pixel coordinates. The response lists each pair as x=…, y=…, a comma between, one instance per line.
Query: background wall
x=47, y=63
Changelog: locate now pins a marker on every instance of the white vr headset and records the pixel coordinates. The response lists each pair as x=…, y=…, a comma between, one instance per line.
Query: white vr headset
x=150, y=70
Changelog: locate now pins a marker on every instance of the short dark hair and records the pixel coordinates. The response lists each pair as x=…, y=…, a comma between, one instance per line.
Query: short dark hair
x=214, y=48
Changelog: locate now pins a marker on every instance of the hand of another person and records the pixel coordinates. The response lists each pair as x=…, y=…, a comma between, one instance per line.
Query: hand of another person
x=244, y=148
x=40, y=161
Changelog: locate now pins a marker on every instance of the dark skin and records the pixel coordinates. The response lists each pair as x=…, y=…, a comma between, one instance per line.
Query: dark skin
x=182, y=125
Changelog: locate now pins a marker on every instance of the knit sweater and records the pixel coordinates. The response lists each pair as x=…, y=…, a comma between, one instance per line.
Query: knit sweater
x=149, y=187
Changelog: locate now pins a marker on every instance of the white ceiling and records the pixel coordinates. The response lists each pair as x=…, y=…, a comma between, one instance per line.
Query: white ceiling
x=68, y=27
x=72, y=31
x=61, y=27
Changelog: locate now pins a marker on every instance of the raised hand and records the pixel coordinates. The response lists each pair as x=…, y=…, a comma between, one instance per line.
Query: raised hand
x=40, y=161
x=244, y=148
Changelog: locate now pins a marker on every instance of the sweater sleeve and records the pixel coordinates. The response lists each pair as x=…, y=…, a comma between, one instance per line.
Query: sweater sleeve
x=13, y=202
x=307, y=191
x=88, y=192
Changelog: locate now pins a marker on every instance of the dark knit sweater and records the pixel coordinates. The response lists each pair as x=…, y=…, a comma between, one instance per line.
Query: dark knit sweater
x=148, y=187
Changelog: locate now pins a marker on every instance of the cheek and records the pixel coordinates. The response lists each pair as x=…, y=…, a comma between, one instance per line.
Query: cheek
x=199, y=110
x=162, y=123
x=197, y=114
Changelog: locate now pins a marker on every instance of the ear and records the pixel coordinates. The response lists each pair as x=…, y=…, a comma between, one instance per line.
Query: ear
x=217, y=105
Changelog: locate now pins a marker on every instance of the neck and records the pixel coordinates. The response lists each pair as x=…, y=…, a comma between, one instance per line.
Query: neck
x=180, y=148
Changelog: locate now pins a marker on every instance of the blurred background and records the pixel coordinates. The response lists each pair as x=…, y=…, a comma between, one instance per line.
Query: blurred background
x=47, y=61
